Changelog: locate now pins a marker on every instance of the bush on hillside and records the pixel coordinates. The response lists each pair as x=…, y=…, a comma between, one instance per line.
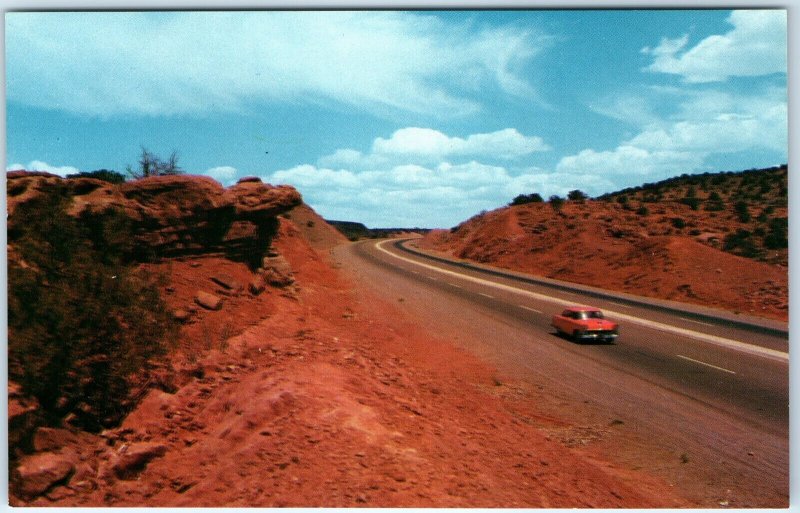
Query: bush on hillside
x=577, y=195
x=101, y=174
x=522, y=199
x=81, y=323
x=557, y=202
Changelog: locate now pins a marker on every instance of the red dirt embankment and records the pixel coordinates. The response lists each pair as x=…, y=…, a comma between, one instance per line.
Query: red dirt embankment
x=314, y=395
x=602, y=245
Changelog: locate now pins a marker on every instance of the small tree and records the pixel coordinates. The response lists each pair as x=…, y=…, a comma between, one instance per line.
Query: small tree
x=557, y=202
x=152, y=165
x=522, y=199
x=577, y=195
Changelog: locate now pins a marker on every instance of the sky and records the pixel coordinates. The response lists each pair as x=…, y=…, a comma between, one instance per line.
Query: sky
x=402, y=118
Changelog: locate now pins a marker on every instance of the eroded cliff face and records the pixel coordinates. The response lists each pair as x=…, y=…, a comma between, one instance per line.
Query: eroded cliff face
x=145, y=228
x=169, y=216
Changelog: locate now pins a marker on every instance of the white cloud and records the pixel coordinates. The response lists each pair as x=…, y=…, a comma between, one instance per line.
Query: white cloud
x=427, y=146
x=38, y=165
x=440, y=195
x=630, y=161
x=225, y=175
x=755, y=46
x=703, y=123
x=507, y=144
x=153, y=64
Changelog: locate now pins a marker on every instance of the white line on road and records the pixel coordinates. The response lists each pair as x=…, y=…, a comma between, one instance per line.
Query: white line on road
x=696, y=322
x=486, y=295
x=713, y=339
x=529, y=308
x=619, y=304
x=454, y=285
x=704, y=363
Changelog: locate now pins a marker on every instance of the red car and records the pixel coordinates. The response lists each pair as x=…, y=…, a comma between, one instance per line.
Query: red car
x=585, y=323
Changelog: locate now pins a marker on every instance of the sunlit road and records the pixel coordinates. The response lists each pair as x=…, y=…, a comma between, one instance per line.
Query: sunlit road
x=710, y=387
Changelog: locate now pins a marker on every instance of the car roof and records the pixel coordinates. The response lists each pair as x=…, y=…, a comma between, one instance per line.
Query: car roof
x=583, y=309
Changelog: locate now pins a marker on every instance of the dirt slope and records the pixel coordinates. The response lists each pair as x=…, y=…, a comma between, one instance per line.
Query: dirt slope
x=605, y=245
x=312, y=395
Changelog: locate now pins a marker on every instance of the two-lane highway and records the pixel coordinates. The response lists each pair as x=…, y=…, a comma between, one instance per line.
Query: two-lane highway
x=689, y=379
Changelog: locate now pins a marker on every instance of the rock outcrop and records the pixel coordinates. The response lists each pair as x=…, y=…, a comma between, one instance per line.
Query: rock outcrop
x=170, y=215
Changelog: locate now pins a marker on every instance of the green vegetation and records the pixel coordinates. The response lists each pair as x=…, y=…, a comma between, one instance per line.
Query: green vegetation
x=755, y=200
x=577, y=195
x=81, y=322
x=522, y=199
x=556, y=202
x=101, y=174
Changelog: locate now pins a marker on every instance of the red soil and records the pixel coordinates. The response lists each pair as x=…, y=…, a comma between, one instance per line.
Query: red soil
x=321, y=395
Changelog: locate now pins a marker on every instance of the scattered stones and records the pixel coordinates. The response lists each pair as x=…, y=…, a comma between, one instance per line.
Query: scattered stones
x=208, y=301
x=38, y=473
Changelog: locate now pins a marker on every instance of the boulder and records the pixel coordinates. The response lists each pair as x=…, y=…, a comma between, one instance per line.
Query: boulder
x=277, y=271
x=257, y=285
x=277, y=279
x=208, y=301
x=256, y=200
x=51, y=439
x=133, y=459
x=182, y=316
x=228, y=282
x=38, y=473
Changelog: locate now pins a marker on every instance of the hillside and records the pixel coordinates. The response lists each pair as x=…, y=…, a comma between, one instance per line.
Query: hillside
x=201, y=350
x=355, y=231
x=716, y=239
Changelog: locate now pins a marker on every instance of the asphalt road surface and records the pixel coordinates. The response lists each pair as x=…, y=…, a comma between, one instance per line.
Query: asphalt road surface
x=699, y=397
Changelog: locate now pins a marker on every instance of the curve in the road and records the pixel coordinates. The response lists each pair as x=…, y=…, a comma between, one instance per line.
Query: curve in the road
x=699, y=316
x=713, y=339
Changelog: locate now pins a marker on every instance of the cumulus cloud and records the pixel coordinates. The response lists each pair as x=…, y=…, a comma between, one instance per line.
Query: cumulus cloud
x=153, y=64
x=630, y=161
x=755, y=46
x=436, y=196
x=506, y=144
x=427, y=146
x=38, y=165
x=703, y=123
x=225, y=175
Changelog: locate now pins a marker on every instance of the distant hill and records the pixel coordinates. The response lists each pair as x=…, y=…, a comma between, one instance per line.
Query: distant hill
x=355, y=231
x=715, y=239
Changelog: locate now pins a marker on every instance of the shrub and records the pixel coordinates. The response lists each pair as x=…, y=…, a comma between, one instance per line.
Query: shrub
x=527, y=198
x=678, y=223
x=777, y=234
x=642, y=211
x=577, y=195
x=694, y=203
x=557, y=202
x=742, y=211
x=100, y=174
x=81, y=323
x=741, y=243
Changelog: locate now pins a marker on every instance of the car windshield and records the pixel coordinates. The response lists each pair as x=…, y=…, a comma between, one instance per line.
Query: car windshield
x=592, y=314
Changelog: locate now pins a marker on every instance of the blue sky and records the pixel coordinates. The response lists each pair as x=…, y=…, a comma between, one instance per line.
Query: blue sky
x=402, y=118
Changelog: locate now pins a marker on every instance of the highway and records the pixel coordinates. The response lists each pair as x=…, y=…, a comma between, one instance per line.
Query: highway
x=703, y=394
